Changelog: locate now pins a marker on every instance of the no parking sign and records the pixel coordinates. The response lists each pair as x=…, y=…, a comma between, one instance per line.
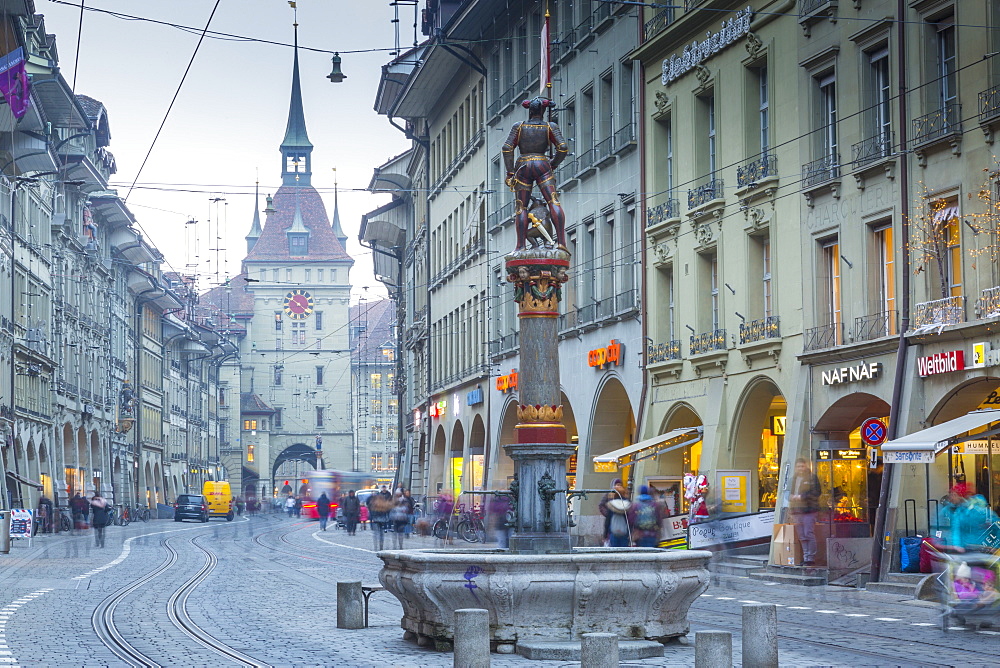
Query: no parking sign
x=873, y=432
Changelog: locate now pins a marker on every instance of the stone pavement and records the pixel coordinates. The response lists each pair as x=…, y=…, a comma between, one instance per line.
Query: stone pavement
x=272, y=595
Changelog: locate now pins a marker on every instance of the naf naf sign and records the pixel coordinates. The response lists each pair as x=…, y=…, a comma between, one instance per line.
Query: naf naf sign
x=852, y=374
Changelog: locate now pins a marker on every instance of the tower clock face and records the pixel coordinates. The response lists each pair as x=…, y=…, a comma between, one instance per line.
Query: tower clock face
x=298, y=304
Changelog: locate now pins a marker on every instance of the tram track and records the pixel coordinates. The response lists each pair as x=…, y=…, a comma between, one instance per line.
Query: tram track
x=298, y=549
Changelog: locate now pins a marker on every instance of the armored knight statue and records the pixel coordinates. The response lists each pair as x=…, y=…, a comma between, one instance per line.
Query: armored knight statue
x=533, y=138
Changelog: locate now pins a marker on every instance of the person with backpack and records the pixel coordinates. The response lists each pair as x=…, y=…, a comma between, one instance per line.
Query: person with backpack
x=645, y=516
x=323, y=510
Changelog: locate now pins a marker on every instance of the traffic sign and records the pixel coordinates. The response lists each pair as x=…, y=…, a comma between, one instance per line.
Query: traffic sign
x=873, y=431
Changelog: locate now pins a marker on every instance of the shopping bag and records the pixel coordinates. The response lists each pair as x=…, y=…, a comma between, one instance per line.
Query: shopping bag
x=909, y=553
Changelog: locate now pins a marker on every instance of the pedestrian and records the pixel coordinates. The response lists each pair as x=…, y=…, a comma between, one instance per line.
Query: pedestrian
x=401, y=515
x=352, y=511
x=644, y=516
x=45, y=514
x=616, y=530
x=498, y=508
x=240, y=505
x=804, y=504
x=413, y=511
x=323, y=510
x=99, y=508
x=290, y=505
x=78, y=508
x=298, y=506
x=379, y=507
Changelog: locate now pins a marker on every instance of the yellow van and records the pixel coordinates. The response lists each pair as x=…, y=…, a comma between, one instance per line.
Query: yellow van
x=220, y=499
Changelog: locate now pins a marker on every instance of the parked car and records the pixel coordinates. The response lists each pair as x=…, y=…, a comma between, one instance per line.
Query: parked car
x=191, y=507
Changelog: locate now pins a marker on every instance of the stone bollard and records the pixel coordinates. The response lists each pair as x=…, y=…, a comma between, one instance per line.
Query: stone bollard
x=713, y=649
x=760, y=635
x=472, y=638
x=599, y=650
x=350, y=606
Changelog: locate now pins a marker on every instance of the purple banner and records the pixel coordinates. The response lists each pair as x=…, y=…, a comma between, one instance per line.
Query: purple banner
x=14, y=83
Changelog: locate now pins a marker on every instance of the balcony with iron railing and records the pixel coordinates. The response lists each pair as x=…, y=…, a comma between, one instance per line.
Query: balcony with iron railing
x=705, y=193
x=820, y=171
x=604, y=149
x=988, y=304
x=707, y=342
x=989, y=105
x=585, y=161
x=626, y=302
x=872, y=149
x=668, y=351
x=822, y=337
x=939, y=124
x=938, y=314
x=499, y=216
x=755, y=171
x=625, y=137
x=659, y=22
x=875, y=326
x=761, y=329
x=661, y=213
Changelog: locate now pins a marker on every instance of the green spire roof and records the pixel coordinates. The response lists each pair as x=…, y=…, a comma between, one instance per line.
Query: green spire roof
x=295, y=131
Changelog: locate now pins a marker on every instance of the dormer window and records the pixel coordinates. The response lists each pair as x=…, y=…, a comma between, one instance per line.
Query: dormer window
x=298, y=244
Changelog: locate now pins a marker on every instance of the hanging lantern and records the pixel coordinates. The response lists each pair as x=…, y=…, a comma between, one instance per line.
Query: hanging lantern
x=336, y=76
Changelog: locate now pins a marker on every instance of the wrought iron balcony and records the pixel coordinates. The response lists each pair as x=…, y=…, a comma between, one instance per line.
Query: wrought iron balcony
x=989, y=104
x=626, y=301
x=756, y=170
x=810, y=6
x=875, y=326
x=988, y=305
x=585, y=160
x=660, y=213
x=625, y=136
x=663, y=352
x=705, y=193
x=603, y=149
x=939, y=313
x=659, y=22
x=940, y=123
x=759, y=330
x=605, y=308
x=707, y=342
x=820, y=171
x=587, y=313
x=824, y=336
x=874, y=148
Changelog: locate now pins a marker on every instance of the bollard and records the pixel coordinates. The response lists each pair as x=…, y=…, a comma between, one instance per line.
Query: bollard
x=4, y=531
x=350, y=608
x=713, y=649
x=599, y=650
x=472, y=638
x=760, y=635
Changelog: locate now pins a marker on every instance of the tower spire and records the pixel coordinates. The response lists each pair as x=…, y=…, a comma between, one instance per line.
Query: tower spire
x=338, y=231
x=255, y=229
x=296, y=167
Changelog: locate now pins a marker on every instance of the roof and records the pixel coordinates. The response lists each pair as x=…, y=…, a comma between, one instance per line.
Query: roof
x=273, y=242
x=234, y=298
x=377, y=320
x=295, y=131
x=252, y=404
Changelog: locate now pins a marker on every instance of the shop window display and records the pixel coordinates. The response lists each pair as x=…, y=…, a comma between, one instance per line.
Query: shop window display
x=768, y=465
x=849, y=486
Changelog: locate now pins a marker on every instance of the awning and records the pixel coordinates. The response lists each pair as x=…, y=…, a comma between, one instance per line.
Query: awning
x=936, y=438
x=26, y=481
x=654, y=445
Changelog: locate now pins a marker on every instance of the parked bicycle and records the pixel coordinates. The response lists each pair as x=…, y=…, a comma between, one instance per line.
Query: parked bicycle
x=140, y=513
x=121, y=516
x=468, y=525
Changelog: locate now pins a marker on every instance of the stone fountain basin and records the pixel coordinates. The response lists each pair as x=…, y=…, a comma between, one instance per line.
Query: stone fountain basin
x=638, y=593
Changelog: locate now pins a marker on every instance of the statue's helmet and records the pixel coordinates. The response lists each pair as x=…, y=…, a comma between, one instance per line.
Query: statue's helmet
x=538, y=105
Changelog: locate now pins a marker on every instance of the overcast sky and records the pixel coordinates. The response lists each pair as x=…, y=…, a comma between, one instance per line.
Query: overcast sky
x=230, y=116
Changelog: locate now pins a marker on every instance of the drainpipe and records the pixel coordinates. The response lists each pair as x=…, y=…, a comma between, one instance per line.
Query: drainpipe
x=643, y=314
x=878, y=544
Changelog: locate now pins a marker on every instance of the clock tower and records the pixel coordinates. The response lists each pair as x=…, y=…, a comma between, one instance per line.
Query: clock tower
x=295, y=293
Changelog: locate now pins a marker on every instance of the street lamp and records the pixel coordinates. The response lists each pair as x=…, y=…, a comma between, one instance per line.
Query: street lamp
x=336, y=76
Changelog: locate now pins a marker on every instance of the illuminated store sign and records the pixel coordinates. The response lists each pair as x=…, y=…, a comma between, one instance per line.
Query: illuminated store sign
x=508, y=382
x=475, y=397
x=852, y=374
x=438, y=409
x=605, y=356
x=849, y=454
x=941, y=363
x=695, y=53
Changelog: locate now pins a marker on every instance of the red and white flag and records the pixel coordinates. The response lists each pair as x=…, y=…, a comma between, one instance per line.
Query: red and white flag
x=544, y=76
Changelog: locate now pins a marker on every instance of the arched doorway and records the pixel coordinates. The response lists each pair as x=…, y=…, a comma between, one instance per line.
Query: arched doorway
x=666, y=470
x=96, y=463
x=503, y=466
x=757, y=443
x=456, y=460
x=146, y=488
x=158, y=485
x=437, y=464
x=477, y=454
x=612, y=425
x=294, y=462
x=73, y=484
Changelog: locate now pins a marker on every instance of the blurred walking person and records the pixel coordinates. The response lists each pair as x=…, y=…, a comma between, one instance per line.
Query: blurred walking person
x=99, y=509
x=323, y=510
x=290, y=505
x=804, y=504
x=645, y=516
x=401, y=515
x=352, y=512
x=379, y=507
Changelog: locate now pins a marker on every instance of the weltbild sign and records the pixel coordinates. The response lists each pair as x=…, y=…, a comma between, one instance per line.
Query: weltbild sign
x=931, y=365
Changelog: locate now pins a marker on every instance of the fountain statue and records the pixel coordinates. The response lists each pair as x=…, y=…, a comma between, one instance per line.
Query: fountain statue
x=542, y=592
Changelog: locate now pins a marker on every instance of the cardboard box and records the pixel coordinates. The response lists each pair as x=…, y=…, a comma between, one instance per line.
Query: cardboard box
x=785, y=548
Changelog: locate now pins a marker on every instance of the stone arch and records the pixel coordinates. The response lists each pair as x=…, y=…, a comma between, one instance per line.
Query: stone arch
x=612, y=426
x=455, y=478
x=117, y=481
x=146, y=485
x=669, y=467
x=295, y=452
x=157, y=485
x=502, y=466
x=754, y=444
x=477, y=454
x=69, y=471
x=959, y=400
x=435, y=477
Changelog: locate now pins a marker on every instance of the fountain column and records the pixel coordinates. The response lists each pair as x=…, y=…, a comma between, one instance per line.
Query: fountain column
x=541, y=450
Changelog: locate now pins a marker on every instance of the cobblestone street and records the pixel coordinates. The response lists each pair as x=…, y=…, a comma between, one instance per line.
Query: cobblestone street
x=271, y=598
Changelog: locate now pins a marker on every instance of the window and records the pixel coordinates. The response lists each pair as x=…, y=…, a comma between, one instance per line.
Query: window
x=670, y=158
x=710, y=110
x=607, y=118
x=376, y=406
x=671, y=313
x=830, y=258
x=393, y=406
x=764, y=111
x=319, y=416
x=388, y=381
x=250, y=453
x=278, y=373
x=879, y=102
x=389, y=354
x=318, y=317
x=630, y=254
x=626, y=96
x=758, y=105
x=376, y=432
x=828, y=117
x=586, y=123
x=299, y=333
x=319, y=375
x=953, y=256
x=765, y=253
x=276, y=420
x=277, y=321
x=885, y=266
x=946, y=75
x=376, y=381
x=298, y=244
x=249, y=425
x=390, y=432
x=608, y=259
x=714, y=289
x=274, y=275
x=319, y=275
x=308, y=275
x=288, y=275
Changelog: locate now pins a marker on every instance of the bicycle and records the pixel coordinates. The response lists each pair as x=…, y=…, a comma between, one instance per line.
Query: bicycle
x=122, y=518
x=140, y=513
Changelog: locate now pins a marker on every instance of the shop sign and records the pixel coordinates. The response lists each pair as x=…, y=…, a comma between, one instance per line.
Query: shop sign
x=475, y=397
x=732, y=530
x=873, y=431
x=674, y=527
x=842, y=454
x=973, y=448
x=605, y=467
x=697, y=52
x=778, y=423
x=508, y=382
x=913, y=457
x=438, y=409
x=20, y=523
x=852, y=374
x=605, y=356
x=734, y=486
x=931, y=365
x=984, y=355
